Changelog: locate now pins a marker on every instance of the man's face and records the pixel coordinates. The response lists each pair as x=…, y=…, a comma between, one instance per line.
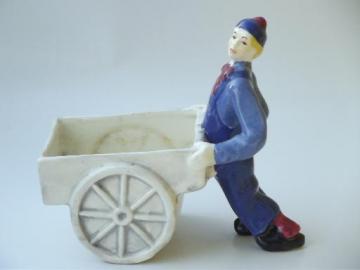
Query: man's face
x=243, y=46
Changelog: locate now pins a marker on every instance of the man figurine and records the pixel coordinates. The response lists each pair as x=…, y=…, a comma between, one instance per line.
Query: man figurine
x=235, y=130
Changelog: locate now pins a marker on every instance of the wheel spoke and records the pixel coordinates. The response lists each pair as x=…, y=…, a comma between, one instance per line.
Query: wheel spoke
x=123, y=190
x=104, y=196
x=95, y=214
x=121, y=241
x=150, y=217
x=141, y=233
x=102, y=233
x=143, y=199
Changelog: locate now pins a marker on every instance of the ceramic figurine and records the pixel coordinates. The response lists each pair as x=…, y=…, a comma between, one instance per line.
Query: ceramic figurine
x=235, y=130
x=123, y=177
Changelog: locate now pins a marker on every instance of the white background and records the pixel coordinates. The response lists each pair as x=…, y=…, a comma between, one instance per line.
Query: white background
x=90, y=58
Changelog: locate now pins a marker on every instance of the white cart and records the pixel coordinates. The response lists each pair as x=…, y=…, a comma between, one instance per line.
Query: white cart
x=123, y=178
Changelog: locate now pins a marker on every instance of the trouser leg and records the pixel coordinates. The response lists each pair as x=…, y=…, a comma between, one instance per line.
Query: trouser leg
x=253, y=207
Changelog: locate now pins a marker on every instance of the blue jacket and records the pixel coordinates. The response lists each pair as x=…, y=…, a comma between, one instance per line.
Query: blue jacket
x=236, y=116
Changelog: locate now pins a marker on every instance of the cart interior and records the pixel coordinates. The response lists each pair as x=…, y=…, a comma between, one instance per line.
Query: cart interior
x=139, y=132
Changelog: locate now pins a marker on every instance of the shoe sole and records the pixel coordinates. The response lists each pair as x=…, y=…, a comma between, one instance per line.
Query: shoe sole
x=292, y=243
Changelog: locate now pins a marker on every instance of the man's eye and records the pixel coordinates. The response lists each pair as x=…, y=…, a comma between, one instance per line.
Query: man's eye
x=243, y=42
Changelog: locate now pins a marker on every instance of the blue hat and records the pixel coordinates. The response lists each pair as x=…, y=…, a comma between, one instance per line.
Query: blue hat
x=255, y=26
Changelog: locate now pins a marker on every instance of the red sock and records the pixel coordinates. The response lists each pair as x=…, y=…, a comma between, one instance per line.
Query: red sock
x=286, y=226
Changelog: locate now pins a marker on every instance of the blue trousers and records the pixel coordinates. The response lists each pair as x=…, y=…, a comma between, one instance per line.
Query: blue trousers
x=253, y=207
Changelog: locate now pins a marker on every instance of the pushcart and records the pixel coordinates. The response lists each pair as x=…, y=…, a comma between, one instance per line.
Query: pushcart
x=123, y=178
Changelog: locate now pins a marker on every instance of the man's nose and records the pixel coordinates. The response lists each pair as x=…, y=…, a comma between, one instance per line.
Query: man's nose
x=236, y=42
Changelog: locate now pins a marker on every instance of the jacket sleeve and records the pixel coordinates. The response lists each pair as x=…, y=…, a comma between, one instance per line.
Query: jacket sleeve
x=252, y=123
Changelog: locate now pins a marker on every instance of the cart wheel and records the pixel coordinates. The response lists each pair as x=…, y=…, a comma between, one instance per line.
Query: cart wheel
x=124, y=214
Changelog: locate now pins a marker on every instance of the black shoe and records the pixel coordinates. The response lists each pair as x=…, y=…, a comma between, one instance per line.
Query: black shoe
x=273, y=240
x=240, y=228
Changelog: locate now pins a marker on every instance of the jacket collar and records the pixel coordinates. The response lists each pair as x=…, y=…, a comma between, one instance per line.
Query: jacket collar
x=241, y=66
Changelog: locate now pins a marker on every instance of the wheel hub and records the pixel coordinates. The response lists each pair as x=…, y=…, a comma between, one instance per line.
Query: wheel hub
x=122, y=216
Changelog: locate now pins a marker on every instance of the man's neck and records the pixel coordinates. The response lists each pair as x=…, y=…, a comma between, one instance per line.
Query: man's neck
x=232, y=61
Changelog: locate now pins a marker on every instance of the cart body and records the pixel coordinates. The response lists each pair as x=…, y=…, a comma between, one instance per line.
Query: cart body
x=123, y=178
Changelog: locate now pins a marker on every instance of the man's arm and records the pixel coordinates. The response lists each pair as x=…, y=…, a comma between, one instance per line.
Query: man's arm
x=252, y=122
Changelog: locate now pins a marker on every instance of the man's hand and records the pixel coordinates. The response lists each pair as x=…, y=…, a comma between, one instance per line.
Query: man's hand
x=210, y=172
x=203, y=158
